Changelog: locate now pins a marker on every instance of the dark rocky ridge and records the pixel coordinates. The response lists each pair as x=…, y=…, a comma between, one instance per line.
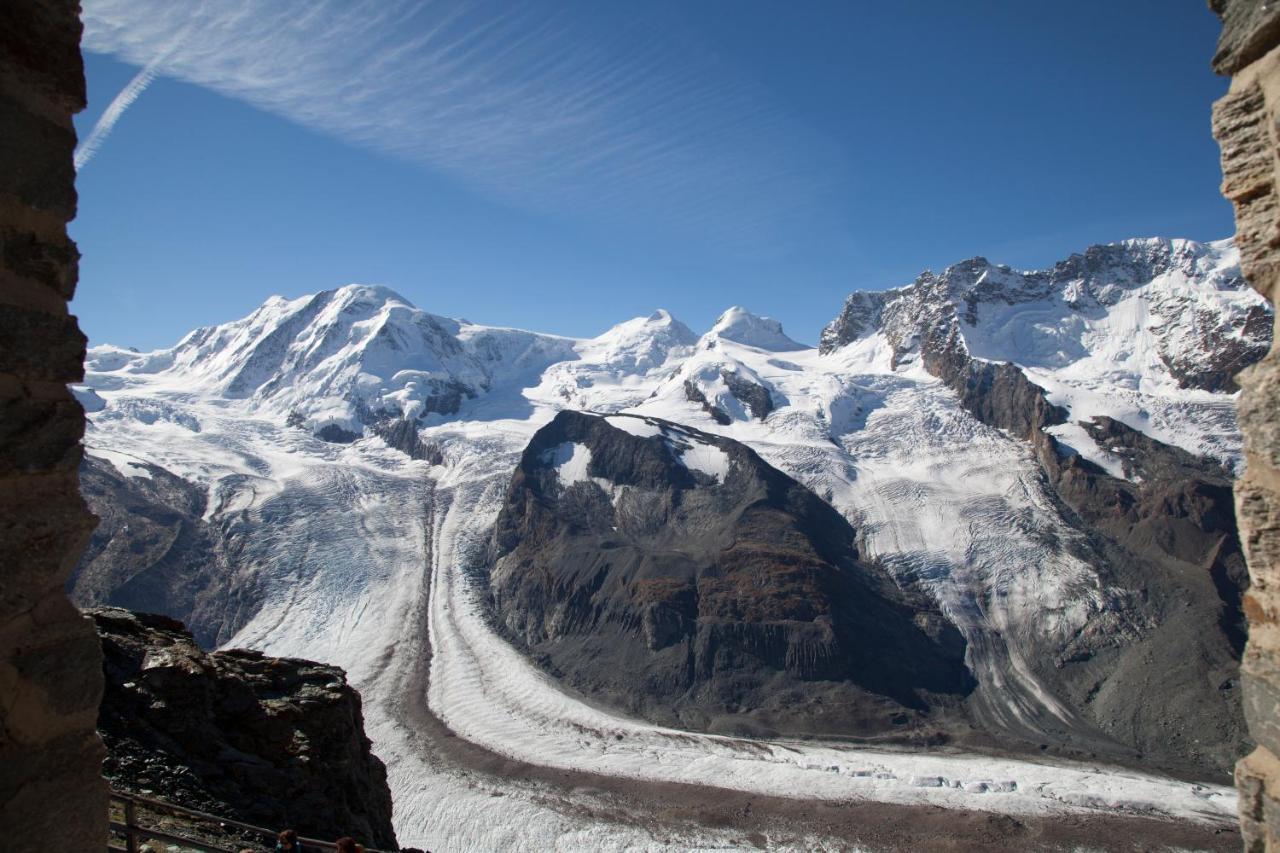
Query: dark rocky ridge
x=754, y=396
x=153, y=551
x=694, y=395
x=275, y=742
x=1169, y=685
x=737, y=606
x=402, y=434
x=399, y=432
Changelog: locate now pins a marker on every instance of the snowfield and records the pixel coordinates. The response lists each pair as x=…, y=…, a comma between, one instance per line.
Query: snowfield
x=366, y=557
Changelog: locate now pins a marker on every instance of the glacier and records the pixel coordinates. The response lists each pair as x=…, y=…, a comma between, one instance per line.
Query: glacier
x=364, y=558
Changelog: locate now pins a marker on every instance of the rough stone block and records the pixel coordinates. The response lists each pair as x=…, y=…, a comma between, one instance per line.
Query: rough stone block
x=53, y=264
x=51, y=789
x=1258, y=511
x=1249, y=30
x=40, y=435
x=58, y=680
x=1257, y=407
x=40, y=346
x=44, y=525
x=37, y=157
x=41, y=46
x=1256, y=775
x=1261, y=693
x=55, y=791
x=1240, y=124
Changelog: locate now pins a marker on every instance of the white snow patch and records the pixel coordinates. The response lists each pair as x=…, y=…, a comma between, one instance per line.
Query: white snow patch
x=707, y=458
x=128, y=466
x=571, y=461
x=88, y=398
x=636, y=426
x=1077, y=438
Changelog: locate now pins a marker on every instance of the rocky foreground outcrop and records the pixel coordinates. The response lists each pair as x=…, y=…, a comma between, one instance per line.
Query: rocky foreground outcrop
x=276, y=742
x=676, y=575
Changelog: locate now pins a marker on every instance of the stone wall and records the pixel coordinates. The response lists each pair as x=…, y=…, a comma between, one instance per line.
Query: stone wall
x=1244, y=123
x=51, y=787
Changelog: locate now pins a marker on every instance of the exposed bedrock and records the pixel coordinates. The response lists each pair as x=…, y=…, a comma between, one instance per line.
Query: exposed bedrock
x=676, y=575
x=277, y=742
x=1166, y=679
x=753, y=395
x=694, y=395
x=402, y=434
x=154, y=551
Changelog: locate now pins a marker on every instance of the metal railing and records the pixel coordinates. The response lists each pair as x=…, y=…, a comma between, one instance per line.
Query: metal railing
x=135, y=832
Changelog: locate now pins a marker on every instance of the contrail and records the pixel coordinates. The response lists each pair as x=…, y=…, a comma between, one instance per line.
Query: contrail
x=135, y=87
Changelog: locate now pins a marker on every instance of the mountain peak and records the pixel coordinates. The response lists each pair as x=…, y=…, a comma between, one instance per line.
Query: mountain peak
x=373, y=294
x=644, y=342
x=741, y=326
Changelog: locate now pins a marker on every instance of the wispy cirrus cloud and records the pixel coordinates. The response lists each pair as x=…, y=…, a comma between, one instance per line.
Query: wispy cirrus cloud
x=622, y=122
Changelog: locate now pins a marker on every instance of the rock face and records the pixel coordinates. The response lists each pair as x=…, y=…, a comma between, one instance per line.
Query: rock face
x=50, y=785
x=1164, y=678
x=276, y=742
x=1244, y=123
x=153, y=551
x=1155, y=673
x=676, y=575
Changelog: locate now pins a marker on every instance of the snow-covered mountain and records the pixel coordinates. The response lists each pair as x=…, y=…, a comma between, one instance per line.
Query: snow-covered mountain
x=343, y=359
x=1045, y=455
x=1149, y=332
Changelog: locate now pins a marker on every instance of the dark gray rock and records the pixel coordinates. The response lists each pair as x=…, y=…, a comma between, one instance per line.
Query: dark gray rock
x=1172, y=688
x=152, y=551
x=737, y=604
x=694, y=395
x=751, y=394
x=276, y=742
x=1250, y=28
x=1233, y=349
x=1160, y=675
x=335, y=434
x=402, y=434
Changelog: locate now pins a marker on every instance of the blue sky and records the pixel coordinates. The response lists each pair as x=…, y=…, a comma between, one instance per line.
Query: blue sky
x=565, y=166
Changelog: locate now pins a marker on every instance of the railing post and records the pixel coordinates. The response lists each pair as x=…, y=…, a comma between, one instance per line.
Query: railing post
x=131, y=822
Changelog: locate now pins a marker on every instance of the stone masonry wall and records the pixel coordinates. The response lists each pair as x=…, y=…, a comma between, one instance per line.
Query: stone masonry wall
x=51, y=787
x=1245, y=125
